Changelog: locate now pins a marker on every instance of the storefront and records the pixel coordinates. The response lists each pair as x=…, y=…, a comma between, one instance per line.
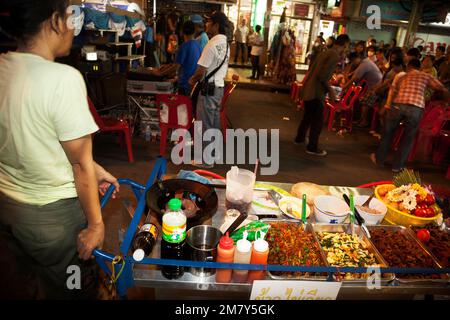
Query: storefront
x=299, y=18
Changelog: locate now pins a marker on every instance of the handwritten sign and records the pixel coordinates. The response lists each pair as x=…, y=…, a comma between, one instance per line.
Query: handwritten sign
x=294, y=290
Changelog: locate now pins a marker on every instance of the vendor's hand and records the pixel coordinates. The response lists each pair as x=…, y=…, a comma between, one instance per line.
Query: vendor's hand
x=89, y=239
x=387, y=107
x=105, y=179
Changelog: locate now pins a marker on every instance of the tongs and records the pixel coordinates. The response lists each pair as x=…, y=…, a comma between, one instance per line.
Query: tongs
x=358, y=217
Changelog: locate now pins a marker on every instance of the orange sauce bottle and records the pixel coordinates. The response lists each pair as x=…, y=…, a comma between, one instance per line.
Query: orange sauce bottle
x=225, y=254
x=260, y=254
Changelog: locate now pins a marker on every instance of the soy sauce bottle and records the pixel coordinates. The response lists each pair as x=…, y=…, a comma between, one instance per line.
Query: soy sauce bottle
x=145, y=239
x=173, y=238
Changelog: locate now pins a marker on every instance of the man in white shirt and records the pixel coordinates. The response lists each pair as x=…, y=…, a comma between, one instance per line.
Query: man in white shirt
x=215, y=54
x=257, y=43
x=241, y=39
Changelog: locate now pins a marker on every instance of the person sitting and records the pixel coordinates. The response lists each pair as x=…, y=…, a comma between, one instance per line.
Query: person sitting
x=371, y=53
x=367, y=71
x=381, y=60
x=187, y=57
x=440, y=57
x=405, y=103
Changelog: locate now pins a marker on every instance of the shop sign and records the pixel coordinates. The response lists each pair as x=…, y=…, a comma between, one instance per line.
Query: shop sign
x=390, y=10
x=430, y=41
x=294, y=290
x=301, y=10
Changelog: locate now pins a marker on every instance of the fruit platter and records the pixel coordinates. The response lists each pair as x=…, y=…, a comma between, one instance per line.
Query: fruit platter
x=409, y=202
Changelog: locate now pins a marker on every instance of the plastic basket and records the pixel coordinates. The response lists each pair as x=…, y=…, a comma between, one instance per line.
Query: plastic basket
x=394, y=216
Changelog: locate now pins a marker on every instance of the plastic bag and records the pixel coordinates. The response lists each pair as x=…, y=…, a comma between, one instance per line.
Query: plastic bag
x=253, y=229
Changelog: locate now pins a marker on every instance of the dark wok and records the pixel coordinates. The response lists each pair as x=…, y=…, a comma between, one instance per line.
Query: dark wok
x=203, y=195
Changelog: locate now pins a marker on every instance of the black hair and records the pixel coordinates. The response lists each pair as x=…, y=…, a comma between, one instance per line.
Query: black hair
x=398, y=62
x=352, y=56
x=361, y=43
x=413, y=52
x=380, y=50
x=415, y=63
x=395, y=41
x=258, y=28
x=22, y=19
x=433, y=58
x=440, y=48
x=188, y=28
x=371, y=48
x=342, y=39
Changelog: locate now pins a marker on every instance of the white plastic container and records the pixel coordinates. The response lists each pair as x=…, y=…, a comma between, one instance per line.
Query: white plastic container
x=371, y=218
x=330, y=209
x=242, y=254
x=239, y=189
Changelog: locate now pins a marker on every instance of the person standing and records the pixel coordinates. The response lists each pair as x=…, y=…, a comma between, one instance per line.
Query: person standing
x=440, y=57
x=405, y=103
x=187, y=57
x=240, y=36
x=212, y=67
x=200, y=35
x=50, y=216
x=315, y=87
x=257, y=43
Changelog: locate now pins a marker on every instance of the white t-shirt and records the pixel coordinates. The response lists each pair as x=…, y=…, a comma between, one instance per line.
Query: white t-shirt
x=241, y=34
x=212, y=56
x=257, y=42
x=41, y=104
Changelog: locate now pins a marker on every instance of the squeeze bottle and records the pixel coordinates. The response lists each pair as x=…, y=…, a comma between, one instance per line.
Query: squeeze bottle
x=225, y=253
x=242, y=255
x=260, y=253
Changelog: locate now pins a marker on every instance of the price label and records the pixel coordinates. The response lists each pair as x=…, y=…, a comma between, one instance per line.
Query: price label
x=294, y=290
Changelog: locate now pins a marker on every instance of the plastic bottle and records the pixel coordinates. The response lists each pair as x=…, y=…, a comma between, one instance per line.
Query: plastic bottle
x=225, y=254
x=145, y=239
x=242, y=254
x=260, y=253
x=173, y=238
x=148, y=133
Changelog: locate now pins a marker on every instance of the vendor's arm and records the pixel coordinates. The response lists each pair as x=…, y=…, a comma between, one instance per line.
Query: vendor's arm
x=325, y=73
x=79, y=153
x=105, y=179
x=198, y=75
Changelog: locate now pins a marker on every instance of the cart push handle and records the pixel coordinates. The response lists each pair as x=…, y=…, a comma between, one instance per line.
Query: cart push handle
x=124, y=267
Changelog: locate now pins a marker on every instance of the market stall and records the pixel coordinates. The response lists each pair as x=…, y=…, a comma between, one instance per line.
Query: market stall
x=337, y=256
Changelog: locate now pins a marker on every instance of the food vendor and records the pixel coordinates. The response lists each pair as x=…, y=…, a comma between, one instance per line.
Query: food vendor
x=50, y=216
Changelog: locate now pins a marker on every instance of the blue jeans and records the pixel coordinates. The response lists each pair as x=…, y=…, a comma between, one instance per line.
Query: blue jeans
x=208, y=111
x=411, y=116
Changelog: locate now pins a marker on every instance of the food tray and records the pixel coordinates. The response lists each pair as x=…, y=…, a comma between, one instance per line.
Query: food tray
x=345, y=228
x=286, y=275
x=411, y=238
x=439, y=244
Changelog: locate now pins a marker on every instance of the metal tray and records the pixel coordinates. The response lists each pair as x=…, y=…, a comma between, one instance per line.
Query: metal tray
x=308, y=228
x=345, y=228
x=412, y=237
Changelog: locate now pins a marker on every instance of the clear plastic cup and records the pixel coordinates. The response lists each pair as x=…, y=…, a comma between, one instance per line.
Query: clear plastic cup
x=239, y=190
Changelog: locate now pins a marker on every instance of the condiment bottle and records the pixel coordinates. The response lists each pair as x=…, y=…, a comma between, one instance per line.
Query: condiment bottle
x=260, y=253
x=145, y=239
x=173, y=238
x=242, y=254
x=225, y=254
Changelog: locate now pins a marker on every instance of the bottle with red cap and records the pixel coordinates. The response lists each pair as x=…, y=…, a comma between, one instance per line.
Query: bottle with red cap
x=225, y=254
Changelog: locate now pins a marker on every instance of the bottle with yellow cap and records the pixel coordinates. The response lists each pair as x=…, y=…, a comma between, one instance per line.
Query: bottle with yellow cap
x=173, y=238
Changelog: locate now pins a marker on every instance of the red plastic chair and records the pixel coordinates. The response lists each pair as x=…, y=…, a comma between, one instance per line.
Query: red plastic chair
x=430, y=127
x=173, y=102
x=344, y=105
x=223, y=105
x=109, y=124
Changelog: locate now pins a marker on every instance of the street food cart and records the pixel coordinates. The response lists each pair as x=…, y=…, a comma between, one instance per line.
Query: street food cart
x=127, y=273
